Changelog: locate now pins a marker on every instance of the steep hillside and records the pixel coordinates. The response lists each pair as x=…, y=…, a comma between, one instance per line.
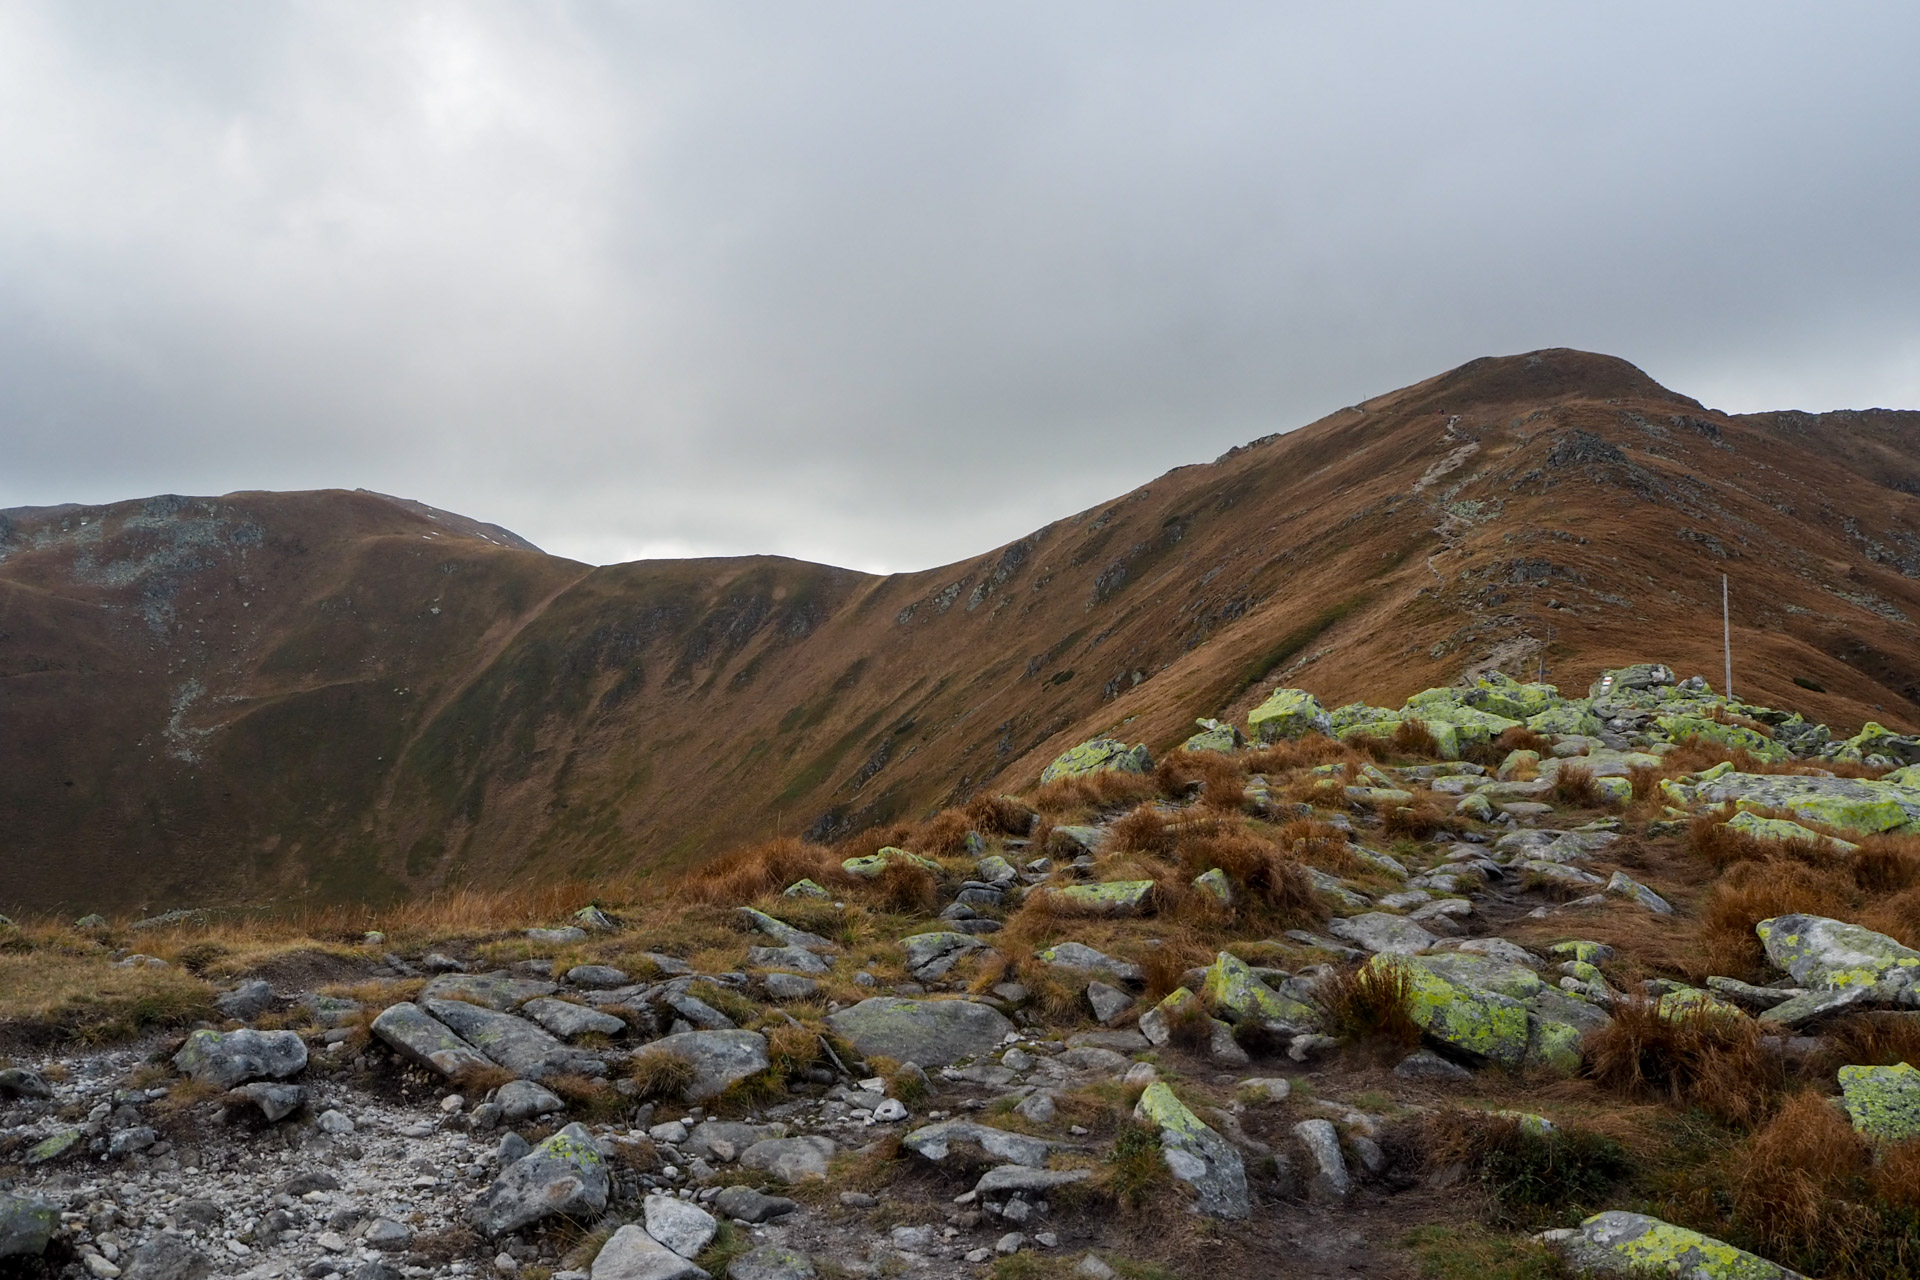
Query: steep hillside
x=347, y=696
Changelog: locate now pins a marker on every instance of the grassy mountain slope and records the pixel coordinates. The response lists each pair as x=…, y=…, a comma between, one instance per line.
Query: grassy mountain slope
x=345, y=696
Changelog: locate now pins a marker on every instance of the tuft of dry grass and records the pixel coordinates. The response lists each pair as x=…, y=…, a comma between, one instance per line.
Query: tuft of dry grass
x=1144, y=829
x=52, y=996
x=1791, y=1176
x=1369, y=1005
x=1221, y=779
x=1299, y=753
x=1521, y=738
x=905, y=889
x=479, y=1080
x=1750, y=892
x=999, y=815
x=1574, y=785
x=1414, y=738
x=1697, y=1058
x=756, y=870
x=1317, y=844
x=944, y=835
x=1421, y=820
x=660, y=1074
x=1107, y=790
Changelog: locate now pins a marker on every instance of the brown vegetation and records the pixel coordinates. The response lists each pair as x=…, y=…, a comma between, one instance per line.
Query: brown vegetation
x=1692, y=1058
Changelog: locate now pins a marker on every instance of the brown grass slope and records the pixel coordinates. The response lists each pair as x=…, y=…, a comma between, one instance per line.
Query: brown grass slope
x=343, y=696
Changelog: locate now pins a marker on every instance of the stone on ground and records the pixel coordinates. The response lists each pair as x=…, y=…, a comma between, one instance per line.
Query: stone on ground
x=719, y=1058
x=681, y=1225
x=425, y=1041
x=931, y=1033
x=166, y=1258
x=1824, y=953
x=1883, y=1102
x=1383, y=934
x=790, y=1159
x=750, y=1205
x=1623, y=1244
x=25, y=1226
x=566, y=1174
x=632, y=1254
x=226, y=1059
x=498, y=991
x=936, y=1142
x=1098, y=755
x=512, y=1041
x=771, y=1262
x=1288, y=713
x=1329, y=1180
x=1196, y=1155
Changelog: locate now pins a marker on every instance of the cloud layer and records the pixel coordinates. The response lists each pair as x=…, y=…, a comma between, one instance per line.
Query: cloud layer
x=886, y=285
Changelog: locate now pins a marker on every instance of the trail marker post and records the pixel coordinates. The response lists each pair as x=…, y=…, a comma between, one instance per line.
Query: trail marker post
x=1726, y=634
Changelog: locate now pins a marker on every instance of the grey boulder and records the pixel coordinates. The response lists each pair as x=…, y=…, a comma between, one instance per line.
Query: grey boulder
x=681, y=1225
x=515, y=1043
x=932, y=1033
x=166, y=1258
x=276, y=1101
x=425, y=1041
x=523, y=1100
x=749, y=1205
x=248, y=1000
x=790, y=1159
x=569, y=1021
x=226, y=1059
x=632, y=1254
x=25, y=1226
x=771, y=1262
x=497, y=991
x=566, y=1174
x=719, y=1058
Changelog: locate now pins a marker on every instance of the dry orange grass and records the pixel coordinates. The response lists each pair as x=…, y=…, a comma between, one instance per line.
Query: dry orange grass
x=745, y=874
x=1144, y=829
x=1750, y=892
x=1697, y=1058
x=1094, y=791
x=1791, y=1176
x=1368, y=1005
x=1271, y=882
x=1220, y=779
x=1317, y=844
x=998, y=815
x=1299, y=753
x=1414, y=738
x=1421, y=820
x=1574, y=785
x=944, y=835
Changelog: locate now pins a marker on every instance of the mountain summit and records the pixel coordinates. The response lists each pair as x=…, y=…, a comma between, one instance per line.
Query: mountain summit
x=344, y=696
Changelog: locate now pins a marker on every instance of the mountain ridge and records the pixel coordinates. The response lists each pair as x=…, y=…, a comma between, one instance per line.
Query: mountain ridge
x=423, y=700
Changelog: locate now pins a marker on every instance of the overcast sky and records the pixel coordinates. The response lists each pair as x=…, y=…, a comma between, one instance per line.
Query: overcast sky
x=888, y=284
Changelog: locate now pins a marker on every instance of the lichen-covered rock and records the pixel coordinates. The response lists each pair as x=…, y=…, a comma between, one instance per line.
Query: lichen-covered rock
x=1215, y=885
x=804, y=888
x=1196, y=1155
x=1099, y=755
x=782, y=933
x=1078, y=955
x=1876, y=740
x=566, y=1174
x=1486, y=1024
x=1157, y=1023
x=1288, y=713
x=1779, y=829
x=1631, y=1245
x=771, y=1262
x=26, y=1226
x=1240, y=997
x=1824, y=953
x=932, y=1033
x=225, y=1059
x=1625, y=886
x=1845, y=804
x=1567, y=720
x=1683, y=728
x=872, y=865
x=1883, y=1102
x=1113, y=898
x=1215, y=735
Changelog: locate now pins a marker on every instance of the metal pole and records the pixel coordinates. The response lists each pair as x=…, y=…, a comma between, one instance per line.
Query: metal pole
x=1726, y=634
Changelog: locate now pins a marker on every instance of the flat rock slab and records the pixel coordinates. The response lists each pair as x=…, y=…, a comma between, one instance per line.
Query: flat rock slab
x=498, y=991
x=566, y=1174
x=937, y=1142
x=1823, y=953
x=782, y=933
x=425, y=1041
x=681, y=1225
x=1383, y=934
x=931, y=1033
x=719, y=1058
x=1008, y=1178
x=1078, y=955
x=793, y=959
x=1623, y=1244
x=632, y=1254
x=276, y=1101
x=25, y=1226
x=226, y=1059
x=568, y=1020
x=1114, y=898
x=515, y=1043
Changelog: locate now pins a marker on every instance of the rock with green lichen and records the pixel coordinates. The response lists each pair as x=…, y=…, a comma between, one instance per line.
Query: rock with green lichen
x=1113, y=898
x=1494, y=1010
x=1196, y=1155
x=1684, y=728
x=1099, y=755
x=1239, y=996
x=1633, y=1245
x=1215, y=735
x=1823, y=954
x=1614, y=791
x=1883, y=1102
x=1682, y=1001
x=932, y=955
x=872, y=865
x=932, y=1033
x=1780, y=830
x=1568, y=719
x=1157, y=1023
x=49, y=1149
x=1288, y=713
x=1215, y=885
x=1641, y=675
x=26, y=1226
x=1845, y=804
x=1876, y=740
x=804, y=889
x=564, y=1176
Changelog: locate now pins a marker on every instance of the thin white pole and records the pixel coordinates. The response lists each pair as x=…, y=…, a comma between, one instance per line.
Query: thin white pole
x=1726, y=634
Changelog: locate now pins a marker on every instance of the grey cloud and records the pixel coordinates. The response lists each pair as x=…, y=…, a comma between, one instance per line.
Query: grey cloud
x=886, y=285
